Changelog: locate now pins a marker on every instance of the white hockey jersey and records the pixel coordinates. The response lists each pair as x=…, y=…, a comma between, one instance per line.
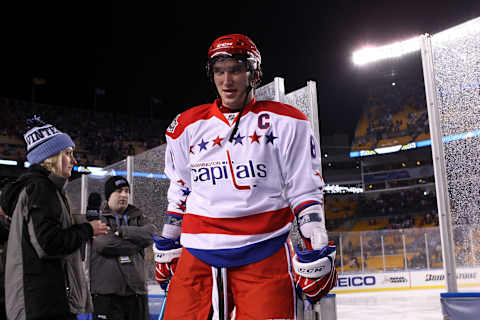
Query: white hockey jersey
x=238, y=199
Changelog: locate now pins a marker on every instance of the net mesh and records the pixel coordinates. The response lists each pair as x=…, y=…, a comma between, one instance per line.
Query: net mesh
x=456, y=61
x=150, y=193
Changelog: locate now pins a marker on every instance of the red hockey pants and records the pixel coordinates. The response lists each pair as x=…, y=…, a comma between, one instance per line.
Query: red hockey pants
x=261, y=290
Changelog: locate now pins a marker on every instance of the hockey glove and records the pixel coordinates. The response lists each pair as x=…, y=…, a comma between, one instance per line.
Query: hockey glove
x=166, y=253
x=315, y=273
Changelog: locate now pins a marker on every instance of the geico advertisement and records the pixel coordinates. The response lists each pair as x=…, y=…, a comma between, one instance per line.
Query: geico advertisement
x=372, y=281
x=355, y=282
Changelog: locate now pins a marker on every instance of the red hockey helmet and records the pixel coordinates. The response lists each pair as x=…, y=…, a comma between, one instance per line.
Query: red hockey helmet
x=236, y=46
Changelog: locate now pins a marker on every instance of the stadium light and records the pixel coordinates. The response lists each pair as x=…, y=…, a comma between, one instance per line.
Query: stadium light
x=397, y=49
x=340, y=189
x=8, y=162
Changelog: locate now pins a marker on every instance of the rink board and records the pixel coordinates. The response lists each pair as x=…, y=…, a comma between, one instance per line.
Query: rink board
x=407, y=280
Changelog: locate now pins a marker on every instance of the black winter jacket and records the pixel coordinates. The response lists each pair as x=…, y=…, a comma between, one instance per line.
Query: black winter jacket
x=44, y=275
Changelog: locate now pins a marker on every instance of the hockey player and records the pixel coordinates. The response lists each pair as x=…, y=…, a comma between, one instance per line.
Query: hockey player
x=240, y=169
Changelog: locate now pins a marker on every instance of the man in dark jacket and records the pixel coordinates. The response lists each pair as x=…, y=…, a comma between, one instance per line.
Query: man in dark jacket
x=117, y=270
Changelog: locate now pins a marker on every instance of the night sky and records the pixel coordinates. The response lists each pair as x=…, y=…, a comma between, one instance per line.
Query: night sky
x=137, y=51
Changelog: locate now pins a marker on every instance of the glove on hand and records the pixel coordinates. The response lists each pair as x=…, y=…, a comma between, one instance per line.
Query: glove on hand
x=166, y=253
x=315, y=272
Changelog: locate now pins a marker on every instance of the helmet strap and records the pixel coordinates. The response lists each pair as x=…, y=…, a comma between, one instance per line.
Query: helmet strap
x=235, y=127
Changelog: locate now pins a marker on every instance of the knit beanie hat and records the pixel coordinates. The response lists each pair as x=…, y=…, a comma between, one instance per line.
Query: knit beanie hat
x=44, y=140
x=114, y=183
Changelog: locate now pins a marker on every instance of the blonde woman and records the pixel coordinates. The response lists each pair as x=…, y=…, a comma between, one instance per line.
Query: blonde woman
x=44, y=274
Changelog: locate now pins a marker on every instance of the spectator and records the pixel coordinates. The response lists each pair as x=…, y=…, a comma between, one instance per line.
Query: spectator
x=354, y=263
x=117, y=270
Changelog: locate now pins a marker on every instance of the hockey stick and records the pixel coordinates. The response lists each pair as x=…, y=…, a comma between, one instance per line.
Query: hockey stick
x=318, y=240
x=162, y=308
x=296, y=239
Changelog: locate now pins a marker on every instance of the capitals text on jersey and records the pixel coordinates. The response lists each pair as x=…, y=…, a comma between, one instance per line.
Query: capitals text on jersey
x=222, y=171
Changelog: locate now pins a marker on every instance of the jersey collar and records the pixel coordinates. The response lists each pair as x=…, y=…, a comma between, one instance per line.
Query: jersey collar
x=217, y=104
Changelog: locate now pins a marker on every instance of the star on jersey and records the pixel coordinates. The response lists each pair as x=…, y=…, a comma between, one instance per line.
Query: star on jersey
x=255, y=137
x=203, y=145
x=186, y=191
x=270, y=137
x=182, y=205
x=217, y=141
x=238, y=139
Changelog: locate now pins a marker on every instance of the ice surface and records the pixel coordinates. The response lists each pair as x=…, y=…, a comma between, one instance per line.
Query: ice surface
x=391, y=305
